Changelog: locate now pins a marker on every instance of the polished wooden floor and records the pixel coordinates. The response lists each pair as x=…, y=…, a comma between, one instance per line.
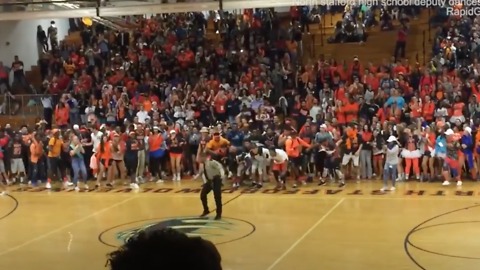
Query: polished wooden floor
x=418, y=226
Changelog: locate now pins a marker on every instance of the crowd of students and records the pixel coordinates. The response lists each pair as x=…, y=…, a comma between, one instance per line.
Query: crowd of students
x=154, y=102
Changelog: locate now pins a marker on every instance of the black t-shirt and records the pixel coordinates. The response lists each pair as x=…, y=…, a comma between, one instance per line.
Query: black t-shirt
x=18, y=66
x=257, y=138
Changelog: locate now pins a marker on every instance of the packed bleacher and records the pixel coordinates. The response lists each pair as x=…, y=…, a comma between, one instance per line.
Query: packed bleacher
x=158, y=95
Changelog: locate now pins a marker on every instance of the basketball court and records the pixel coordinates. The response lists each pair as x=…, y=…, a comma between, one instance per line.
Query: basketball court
x=418, y=226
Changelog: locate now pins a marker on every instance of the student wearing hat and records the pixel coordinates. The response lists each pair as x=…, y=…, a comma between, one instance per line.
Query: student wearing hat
x=392, y=151
x=78, y=165
x=451, y=166
x=202, y=147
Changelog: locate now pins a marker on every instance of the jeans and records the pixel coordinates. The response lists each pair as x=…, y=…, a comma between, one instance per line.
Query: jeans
x=78, y=167
x=53, y=168
x=389, y=172
x=141, y=163
x=366, y=163
x=34, y=172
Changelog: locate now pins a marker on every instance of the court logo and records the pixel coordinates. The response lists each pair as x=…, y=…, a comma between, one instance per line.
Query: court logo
x=218, y=231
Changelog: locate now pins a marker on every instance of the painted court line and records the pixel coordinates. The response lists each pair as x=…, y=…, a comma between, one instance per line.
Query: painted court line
x=64, y=227
x=294, y=245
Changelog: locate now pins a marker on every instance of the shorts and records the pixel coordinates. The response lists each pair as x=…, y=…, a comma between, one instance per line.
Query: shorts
x=281, y=167
x=332, y=163
x=103, y=161
x=176, y=155
x=350, y=157
x=17, y=166
x=296, y=161
x=451, y=164
x=377, y=158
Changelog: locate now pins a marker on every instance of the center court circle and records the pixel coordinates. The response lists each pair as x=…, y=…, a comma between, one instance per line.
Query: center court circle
x=458, y=231
x=219, y=232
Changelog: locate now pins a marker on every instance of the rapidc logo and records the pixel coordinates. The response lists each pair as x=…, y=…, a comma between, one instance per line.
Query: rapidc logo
x=466, y=11
x=217, y=231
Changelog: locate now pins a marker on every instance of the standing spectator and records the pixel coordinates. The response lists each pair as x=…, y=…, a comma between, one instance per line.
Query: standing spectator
x=401, y=43
x=42, y=40
x=19, y=79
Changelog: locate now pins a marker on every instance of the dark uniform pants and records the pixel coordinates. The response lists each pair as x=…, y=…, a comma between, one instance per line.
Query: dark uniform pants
x=216, y=186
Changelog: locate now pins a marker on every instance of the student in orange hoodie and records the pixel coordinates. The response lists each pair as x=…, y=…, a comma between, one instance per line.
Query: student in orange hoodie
x=294, y=146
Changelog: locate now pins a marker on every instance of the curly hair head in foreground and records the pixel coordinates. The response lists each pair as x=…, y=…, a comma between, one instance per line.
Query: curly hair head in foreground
x=165, y=249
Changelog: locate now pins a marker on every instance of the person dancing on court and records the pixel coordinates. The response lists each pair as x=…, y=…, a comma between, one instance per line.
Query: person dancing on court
x=260, y=158
x=214, y=173
x=467, y=143
x=132, y=149
x=451, y=165
x=332, y=165
x=280, y=166
x=392, y=150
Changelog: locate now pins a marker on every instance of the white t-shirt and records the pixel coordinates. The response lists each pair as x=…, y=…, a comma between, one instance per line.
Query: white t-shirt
x=280, y=157
x=96, y=140
x=142, y=116
x=264, y=155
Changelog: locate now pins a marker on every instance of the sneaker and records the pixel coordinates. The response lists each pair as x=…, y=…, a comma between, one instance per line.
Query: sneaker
x=134, y=186
x=383, y=189
x=445, y=183
x=392, y=189
x=342, y=184
x=179, y=177
x=322, y=183
x=294, y=186
x=3, y=193
x=218, y=217
x=459, y=183
x=77, y=188
x=48, y=186
x=159, y=181
x=86, y=187
x=205, y=213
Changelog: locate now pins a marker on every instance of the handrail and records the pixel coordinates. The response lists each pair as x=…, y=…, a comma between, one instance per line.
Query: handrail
x=28, y=105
